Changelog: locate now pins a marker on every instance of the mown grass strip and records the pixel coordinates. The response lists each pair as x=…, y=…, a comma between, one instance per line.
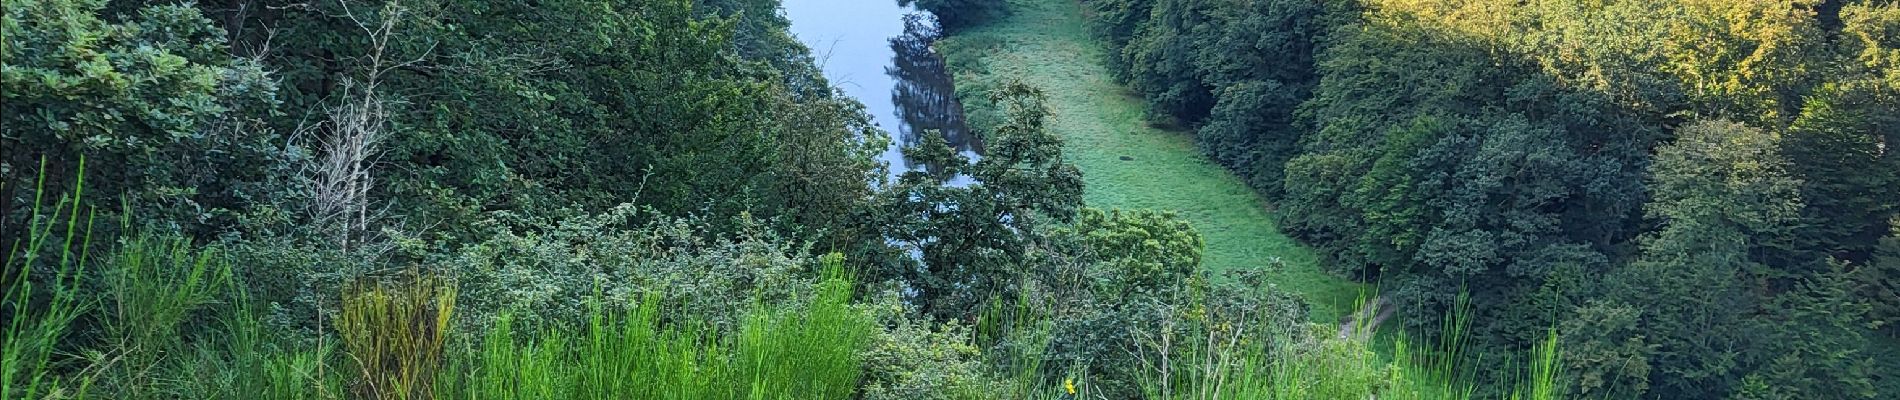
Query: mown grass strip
x=1127, y=163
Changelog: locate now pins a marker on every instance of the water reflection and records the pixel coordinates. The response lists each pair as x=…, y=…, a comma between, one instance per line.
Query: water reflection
x=922, y=92
x=879, y=52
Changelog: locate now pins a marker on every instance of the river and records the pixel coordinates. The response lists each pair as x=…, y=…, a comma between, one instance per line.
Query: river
x=879, y=53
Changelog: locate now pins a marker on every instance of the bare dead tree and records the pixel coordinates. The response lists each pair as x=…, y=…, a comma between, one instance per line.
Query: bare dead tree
x=342, y=181
x=351, y=137
x=349, y=142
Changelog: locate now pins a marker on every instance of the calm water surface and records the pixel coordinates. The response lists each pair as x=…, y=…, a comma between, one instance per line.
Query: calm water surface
x=880, y=53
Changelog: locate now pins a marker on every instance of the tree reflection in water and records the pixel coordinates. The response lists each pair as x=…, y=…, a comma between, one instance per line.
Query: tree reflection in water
x=923, y=93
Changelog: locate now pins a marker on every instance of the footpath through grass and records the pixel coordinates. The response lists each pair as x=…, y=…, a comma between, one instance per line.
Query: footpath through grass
x=1126, y=163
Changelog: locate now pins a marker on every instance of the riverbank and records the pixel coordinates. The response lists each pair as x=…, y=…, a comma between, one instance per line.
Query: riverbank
x=1126, y=163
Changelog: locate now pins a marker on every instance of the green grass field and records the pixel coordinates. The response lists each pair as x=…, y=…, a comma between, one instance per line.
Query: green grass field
x=1126, y=163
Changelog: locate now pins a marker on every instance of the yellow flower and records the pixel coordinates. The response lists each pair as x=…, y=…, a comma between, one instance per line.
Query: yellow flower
x=1070, y=385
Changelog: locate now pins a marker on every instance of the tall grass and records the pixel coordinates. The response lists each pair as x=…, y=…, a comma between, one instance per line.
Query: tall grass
x=151, y=285
x=1016, y=337
x=1545, y=374
x=247, y=360
x=777, y=353
x=37, y=318
x=149, y=288
x=395, y=335
x=1320, y=364
x=806, y=354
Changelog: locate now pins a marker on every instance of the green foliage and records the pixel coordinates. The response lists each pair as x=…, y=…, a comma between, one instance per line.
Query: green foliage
x=1724, y=193
x=1879, y=283
x=916, y=359
x=1138, y=251
x=1503, y=146
x=1722, y=176
x=974, y=238
x=1236, y=71
x=628, y=197
x=243, y=357
x=479, y=108
x=1129, y=164
x=1131, y=312
x=555, y=267
x=1607, y=351
x=518, y=111
x=956, y=15
x=812, y=353
x=149, y=95
x=1162, y=62
x=1314, y=362
x=1437, y=163
x=1819, y=320
x=1837, y=148
x=1872, y=32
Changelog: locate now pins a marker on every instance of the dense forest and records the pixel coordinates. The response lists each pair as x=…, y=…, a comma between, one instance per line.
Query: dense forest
x=1699, y=195
x=667, y=199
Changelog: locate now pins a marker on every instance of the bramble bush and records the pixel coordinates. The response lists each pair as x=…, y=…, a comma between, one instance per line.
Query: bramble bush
x=557, y=268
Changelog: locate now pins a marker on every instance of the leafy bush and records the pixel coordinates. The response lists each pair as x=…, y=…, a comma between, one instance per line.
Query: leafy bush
x=557, y=268
x=915, y=358
x=150, y=96
x=1118, y=300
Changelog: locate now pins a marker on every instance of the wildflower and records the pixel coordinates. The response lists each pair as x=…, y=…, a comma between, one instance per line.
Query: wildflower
x=1069, y=384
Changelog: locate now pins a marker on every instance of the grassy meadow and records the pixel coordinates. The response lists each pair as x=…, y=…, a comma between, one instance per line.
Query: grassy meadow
x=1125, y=162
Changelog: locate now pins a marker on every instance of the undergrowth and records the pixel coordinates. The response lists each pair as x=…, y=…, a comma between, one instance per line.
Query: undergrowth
x=809, y=351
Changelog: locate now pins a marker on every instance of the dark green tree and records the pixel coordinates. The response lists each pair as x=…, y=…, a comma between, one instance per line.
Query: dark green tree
x=568, y=107
x=1262, y=67
x=956, y=15
x=1607, y=351
x=1723, y=194
x=1851, y=181
x=1118, y=22
x=1816, y=346
x=1162, y=62
x=165, y=118
x=1878, y=284
x=973, y=239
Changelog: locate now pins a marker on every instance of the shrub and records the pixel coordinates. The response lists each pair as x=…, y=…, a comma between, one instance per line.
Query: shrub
x=557, y=268
x=916, y=359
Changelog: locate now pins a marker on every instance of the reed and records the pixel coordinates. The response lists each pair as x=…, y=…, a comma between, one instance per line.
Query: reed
x=152, y=285
x=808, y=351
x=1319, y=364
x=38, y=316
x=394, y=334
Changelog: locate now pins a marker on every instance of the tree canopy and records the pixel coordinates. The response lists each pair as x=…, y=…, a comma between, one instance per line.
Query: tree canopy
x=1615, y=169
